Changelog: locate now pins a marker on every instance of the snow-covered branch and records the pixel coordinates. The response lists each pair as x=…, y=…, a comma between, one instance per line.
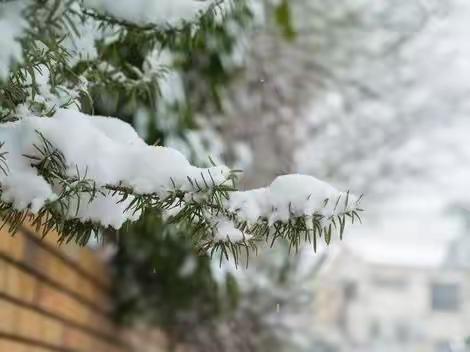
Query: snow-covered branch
x=77, y=173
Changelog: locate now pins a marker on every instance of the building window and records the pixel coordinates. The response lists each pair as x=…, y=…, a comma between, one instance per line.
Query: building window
x=350, y=290
x=445, y=297
x=442, y=346
x=402, y=332
x=393, y=283
x=374, y=329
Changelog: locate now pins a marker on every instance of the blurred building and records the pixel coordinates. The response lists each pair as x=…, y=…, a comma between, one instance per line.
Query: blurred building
x=393, y=295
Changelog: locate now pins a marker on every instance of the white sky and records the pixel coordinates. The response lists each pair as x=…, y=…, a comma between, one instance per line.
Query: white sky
x=411, y=223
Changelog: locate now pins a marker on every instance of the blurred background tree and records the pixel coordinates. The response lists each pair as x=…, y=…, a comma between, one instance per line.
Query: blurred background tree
x=258, y=61
x=343, y=74
x=160, y=280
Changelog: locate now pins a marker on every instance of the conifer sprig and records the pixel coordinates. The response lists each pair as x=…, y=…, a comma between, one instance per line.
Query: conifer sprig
x=196, y=210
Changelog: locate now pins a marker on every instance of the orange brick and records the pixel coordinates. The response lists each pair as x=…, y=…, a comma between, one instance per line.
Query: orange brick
x=71, y=280
x=75, y=339
x=87, y=290
x=52, y=331
x=12, y=283
x=72, y=251
x=5, y=239
x=3, y=275
x=31, y=249
x=57, y=271
x=10, y=346
x=88, y=262
x=41, y=262
x=12, y=246
x=19, y=284
x=55, y=268
x=61, y=304
x=8, y=317
x=50, y=299
x=38, y=349
x=29, y=324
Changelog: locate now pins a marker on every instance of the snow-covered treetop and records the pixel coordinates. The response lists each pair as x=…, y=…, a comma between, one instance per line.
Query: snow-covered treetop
x=67, y=170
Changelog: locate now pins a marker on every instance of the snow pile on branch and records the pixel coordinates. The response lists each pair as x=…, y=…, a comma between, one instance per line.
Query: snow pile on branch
x=79, y=173
x=158, y=12
x=226, y=231
x=12, y=25
x=106, y=151
x=291, y=207
x=290, y=196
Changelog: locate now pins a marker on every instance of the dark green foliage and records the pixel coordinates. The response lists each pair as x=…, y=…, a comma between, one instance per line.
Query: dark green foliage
x=284, y=20
x=199, y=51
x=151, y=284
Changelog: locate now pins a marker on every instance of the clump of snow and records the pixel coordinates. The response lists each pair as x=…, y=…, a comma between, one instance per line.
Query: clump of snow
x=23, y=189
x=108, y=151
x=290, y=196
x=12, y=25
x=160, y=12
x=107, y=209
x=225, y=231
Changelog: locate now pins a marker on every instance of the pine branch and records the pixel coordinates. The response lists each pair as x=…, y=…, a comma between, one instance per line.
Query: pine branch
x=196, y=210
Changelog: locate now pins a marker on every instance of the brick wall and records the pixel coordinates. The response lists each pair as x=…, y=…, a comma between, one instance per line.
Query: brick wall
x=58, y=299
